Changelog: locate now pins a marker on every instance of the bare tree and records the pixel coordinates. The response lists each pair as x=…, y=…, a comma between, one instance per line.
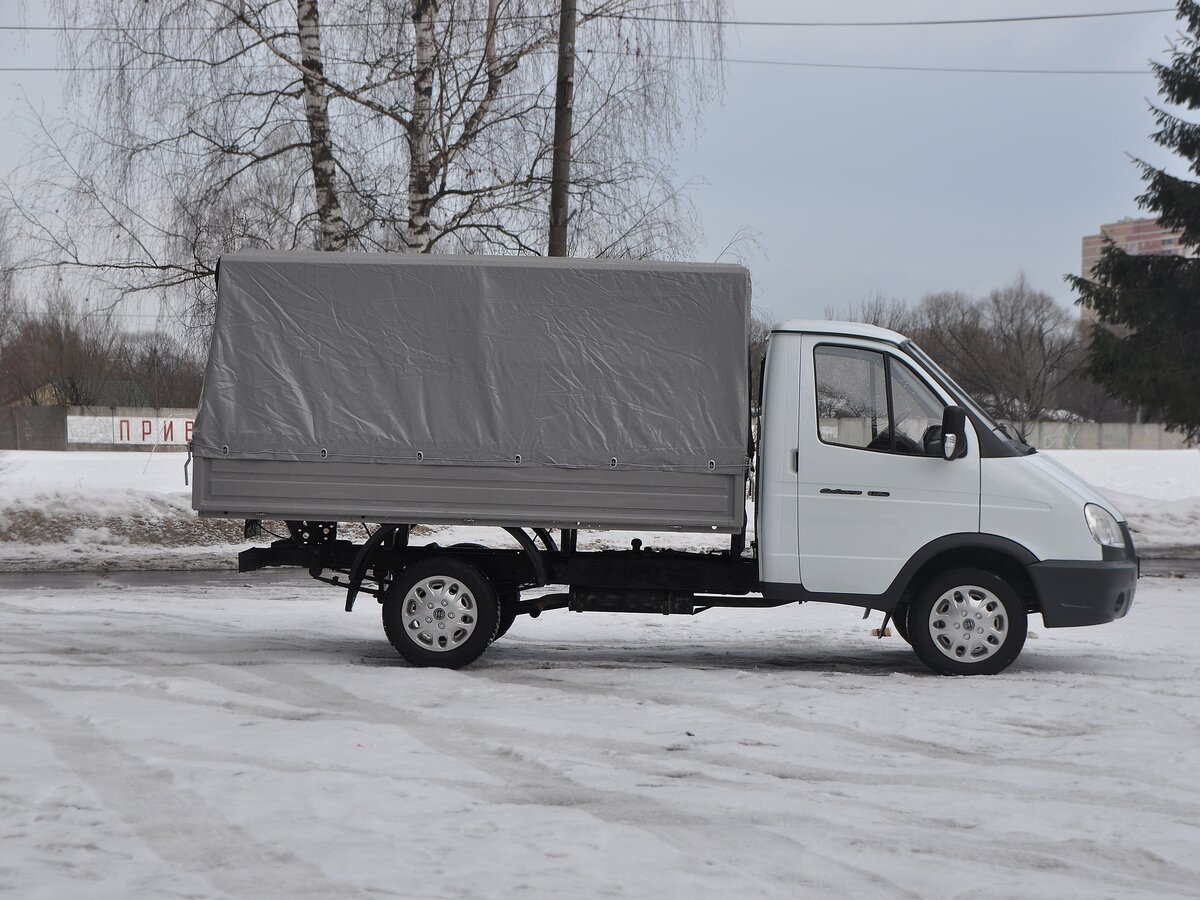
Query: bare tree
x=11, y=306
x=162, y=368
x=952, y=327
x=876, y=310
x=416, y=125
x=1034, y=352
x=62, y=356
x=1013, y=349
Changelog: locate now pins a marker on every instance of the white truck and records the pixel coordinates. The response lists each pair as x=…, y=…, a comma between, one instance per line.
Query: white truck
x=538, y=395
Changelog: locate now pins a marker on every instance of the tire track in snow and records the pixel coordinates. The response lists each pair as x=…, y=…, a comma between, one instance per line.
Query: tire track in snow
x=243, y=679
x=519, y=675
x=529, y=780
x=177, y=825
x=525, y=782
x=532, y=777
x=549, y=768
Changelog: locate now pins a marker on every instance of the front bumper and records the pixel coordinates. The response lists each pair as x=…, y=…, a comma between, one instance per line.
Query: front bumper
x=1072, y=592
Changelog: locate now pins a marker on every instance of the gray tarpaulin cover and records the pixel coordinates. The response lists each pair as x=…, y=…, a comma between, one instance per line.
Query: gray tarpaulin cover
x=477, y=360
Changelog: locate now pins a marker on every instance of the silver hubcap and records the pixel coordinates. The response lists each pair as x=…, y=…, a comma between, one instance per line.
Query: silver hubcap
x=439, y=613
x=968, y=623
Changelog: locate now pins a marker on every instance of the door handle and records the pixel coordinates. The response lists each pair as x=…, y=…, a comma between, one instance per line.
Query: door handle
x=840, y=491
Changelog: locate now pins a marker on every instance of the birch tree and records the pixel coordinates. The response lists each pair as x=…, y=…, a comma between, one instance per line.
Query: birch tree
x=205, y=126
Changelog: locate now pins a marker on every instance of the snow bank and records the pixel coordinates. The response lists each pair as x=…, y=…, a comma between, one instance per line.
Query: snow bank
x=94, y=510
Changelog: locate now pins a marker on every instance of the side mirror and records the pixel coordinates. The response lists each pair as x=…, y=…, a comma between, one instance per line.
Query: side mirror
x=954, y=433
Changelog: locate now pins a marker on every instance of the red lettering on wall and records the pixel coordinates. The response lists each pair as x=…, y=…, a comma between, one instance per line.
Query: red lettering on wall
x=187, y=430
x=168, y=430
x=147, y=428
x=123, y=430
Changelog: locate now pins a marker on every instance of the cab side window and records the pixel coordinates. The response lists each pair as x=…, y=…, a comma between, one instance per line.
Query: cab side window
x=851, y=397
x=871, y=401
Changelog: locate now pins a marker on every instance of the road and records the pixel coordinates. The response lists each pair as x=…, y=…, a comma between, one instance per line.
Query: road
x=172, y=735
x=1175, y=568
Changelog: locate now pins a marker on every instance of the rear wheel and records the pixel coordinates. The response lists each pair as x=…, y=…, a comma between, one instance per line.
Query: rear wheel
x=441, y=612
x=967, y=622
x=508, y=613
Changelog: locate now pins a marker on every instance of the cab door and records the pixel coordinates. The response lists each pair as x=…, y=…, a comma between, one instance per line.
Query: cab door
x=872, y=486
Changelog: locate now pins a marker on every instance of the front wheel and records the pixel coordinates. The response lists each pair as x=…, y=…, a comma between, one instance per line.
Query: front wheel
x=967, y=622
x=441, y=612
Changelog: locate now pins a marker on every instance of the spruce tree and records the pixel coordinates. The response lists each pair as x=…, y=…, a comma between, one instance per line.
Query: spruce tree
x=1146, y=348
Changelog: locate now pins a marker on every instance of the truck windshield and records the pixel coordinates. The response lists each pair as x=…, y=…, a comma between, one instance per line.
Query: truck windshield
x=965, y=399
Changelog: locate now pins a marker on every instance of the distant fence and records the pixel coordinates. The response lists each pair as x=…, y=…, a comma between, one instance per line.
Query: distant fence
x=1102, y=436
x=1044, y=435
x=95, y=428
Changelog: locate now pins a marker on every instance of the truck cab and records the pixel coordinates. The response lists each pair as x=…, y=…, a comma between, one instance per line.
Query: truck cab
x=882, y=484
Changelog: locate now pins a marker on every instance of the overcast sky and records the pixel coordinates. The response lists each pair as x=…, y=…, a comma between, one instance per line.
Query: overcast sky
x=901, y=183
x=893, y=183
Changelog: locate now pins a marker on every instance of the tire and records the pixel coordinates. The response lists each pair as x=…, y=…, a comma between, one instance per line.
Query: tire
x=441, y=612
x=508, y=614
x=900, y=621
x=947, y=603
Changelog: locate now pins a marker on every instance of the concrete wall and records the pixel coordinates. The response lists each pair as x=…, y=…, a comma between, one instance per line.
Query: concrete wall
x=32, y=428
x=1103, y=436
x=94, y=428
x=128, y=428
x=1046, y=435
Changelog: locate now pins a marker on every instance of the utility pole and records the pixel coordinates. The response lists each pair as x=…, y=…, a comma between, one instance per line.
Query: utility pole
x=560, y=174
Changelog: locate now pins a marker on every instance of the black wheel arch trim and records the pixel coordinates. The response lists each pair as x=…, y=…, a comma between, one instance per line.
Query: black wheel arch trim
x=365, y=557
x=897, y=590
x=531, y=551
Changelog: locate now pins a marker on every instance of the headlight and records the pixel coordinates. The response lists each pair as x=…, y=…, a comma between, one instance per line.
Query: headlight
x=1104, y=527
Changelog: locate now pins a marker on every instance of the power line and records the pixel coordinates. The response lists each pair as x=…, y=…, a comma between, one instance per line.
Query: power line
x=985, y=70
x=632, y=17
x=982, y=70
x=797, y=64
x=996, y=20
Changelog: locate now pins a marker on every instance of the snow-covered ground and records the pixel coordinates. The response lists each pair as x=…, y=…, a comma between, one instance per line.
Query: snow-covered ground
x=121, y=511
x=214, y=735
x=201, y=735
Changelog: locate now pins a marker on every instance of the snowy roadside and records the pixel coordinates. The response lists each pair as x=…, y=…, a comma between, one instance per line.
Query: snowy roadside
x=105, y=511
x=131, y=511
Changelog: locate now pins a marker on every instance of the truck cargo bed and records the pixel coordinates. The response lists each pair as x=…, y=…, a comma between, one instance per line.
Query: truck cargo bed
x=481, y=495
x=490, y=390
